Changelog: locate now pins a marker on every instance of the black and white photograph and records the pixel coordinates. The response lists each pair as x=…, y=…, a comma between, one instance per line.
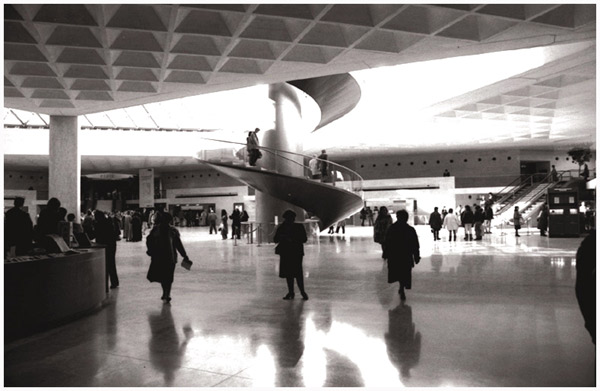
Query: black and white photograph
x=274, y=195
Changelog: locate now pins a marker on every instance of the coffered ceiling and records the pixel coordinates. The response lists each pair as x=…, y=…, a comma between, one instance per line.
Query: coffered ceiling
x=73, y=59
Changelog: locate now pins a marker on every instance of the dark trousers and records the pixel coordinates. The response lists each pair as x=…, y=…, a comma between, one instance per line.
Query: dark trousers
x=111, y=265
x=213, y=226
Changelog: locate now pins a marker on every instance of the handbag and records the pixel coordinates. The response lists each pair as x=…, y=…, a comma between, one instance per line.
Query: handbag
x=186, y=263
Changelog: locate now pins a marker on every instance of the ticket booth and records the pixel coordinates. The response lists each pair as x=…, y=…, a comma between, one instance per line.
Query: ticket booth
x=564, y=212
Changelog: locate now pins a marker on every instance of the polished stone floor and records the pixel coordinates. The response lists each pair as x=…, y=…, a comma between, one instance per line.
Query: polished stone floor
x=500, y=312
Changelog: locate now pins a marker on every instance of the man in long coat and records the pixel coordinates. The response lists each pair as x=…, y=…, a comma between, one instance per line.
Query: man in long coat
x=401, y=251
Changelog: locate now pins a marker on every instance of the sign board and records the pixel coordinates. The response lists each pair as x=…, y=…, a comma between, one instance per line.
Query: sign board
x=147, y=188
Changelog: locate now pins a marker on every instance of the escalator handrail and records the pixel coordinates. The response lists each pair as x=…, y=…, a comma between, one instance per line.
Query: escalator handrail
x=274, y=150
x=510, y=188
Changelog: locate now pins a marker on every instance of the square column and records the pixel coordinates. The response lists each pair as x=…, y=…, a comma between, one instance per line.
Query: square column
x=64, y=172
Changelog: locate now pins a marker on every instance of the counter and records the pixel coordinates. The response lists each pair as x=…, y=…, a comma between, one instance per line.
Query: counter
x=46, y=290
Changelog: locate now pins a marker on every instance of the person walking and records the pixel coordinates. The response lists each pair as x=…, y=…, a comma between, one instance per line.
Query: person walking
x=236, y=223
x=212, y=221
x=163, y=243
x=467, y=219
x=18, y=228
x=479, y=218
x=451, y=223
x=105, y=234
x=244, y=217
x=402, y=252
x=382, y=223
x=517, y=218
x=290, y=238
x=223, y=228
x=341, y=224
x=542, y=222
x=435, y=222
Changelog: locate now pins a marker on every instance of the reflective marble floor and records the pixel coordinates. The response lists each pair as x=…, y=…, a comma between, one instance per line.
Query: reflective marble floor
x=501, y=312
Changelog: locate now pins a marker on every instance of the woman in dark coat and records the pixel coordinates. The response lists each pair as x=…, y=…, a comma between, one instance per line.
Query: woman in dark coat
x=236, y=223
x=136, y=227
x=402, y=252
x=290, y=237
x=382, y=223
x=163, y=243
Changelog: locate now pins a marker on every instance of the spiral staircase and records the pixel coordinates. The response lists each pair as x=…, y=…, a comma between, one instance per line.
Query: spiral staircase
x=332, y=200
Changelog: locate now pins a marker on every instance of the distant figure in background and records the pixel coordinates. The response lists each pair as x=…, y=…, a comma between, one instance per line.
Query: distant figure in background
x=290, y=238
x=236, y=223
x=252, y=147
x=341, y=224
x=223, y=228
x=382, y=223
x=517, y=218
x=585, y=282
x=435, y=222
x=88, y=224
x=163, y=243
x=203, y=216
x=479, y=218
x=244, y=219
x=136, y=227
x=313, y=164
x=542, y=222
x=446, y=172
x=106, y=235
x=127, y=226
x=467, y=219
x=489, y=215
x=47, y=222
x=77, y=228
x=212, y=221
x=363, y=217
x=331, y=229
x=370, y=216
x=402, y=252
x=451, y=223
x=554, y=174
x=323, y=165
x=586, y=172
x=18, y=228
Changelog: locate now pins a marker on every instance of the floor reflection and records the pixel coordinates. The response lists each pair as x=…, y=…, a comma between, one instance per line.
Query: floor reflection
x=166, y=351
x=403, y=340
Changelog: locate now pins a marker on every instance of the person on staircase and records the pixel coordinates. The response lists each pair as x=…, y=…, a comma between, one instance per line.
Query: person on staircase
x=252, y=147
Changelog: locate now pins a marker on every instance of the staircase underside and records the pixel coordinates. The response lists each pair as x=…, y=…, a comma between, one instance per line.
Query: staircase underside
x=330, y=204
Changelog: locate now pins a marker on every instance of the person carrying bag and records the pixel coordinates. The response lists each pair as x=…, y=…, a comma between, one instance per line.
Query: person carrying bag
x=163, y=244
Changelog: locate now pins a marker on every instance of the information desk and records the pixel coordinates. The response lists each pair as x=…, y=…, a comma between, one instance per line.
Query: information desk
x=45, y=290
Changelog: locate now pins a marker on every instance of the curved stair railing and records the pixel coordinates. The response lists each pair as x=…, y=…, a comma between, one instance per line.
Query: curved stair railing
x=331, y=199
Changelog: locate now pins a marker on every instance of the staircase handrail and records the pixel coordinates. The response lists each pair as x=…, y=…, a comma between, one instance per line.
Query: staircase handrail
x=507, y=189
x=277, y=152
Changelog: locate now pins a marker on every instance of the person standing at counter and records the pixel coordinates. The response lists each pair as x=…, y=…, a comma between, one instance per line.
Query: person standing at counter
x=163, y=243
x=18, y=228
x=105, y=234
x=47, y=222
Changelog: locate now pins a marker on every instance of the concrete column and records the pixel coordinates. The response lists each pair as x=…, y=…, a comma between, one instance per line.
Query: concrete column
x=290, y=128
x=65, y=163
